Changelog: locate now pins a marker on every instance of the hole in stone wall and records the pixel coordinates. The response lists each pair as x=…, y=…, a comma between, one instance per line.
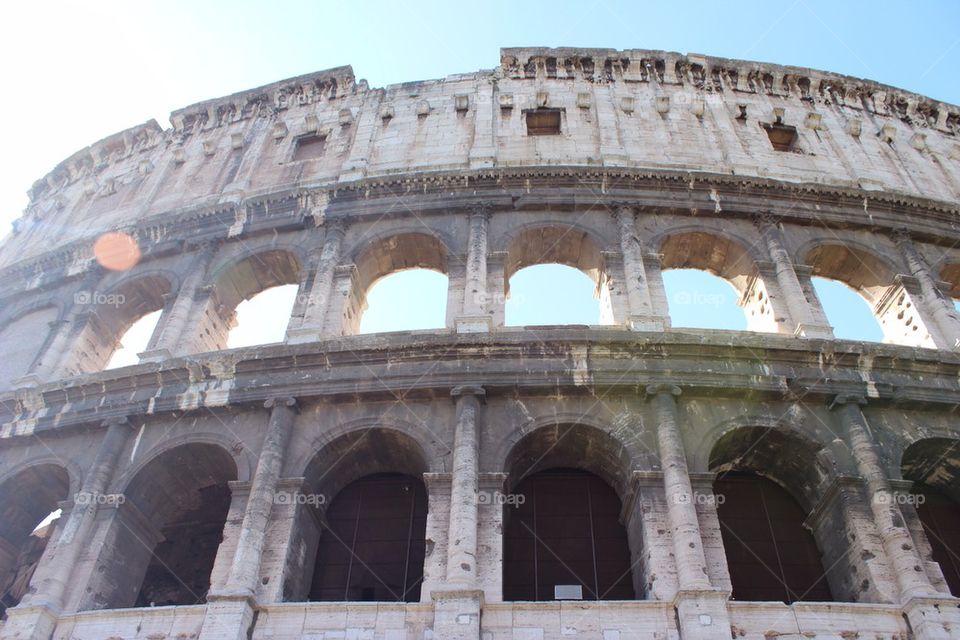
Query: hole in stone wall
x=309, y=147
x=698, y=299
x=847, y=311
x=406, y=300
x=783, y=137
x=263, y=318
x=543, y=122
x=552, y=294
x=135, y=340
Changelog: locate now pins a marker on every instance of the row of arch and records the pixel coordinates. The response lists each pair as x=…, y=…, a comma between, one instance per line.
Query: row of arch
x=574, y=528
x=102, y=316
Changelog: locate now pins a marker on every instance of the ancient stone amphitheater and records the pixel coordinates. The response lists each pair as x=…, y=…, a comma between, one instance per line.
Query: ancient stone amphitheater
x=626, y=480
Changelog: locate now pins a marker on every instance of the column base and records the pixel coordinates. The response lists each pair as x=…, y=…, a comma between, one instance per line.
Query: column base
x=702, y=615
x=648, y=323
x=229, y=616
x=814, y=331
x=456, y=614
x=933, y=618
x=29, y=622
x=302, y=335
x=154, y=355
x=474, y=324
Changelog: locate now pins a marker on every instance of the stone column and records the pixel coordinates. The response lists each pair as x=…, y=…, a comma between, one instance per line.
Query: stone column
x=36, y=616
x=805, y=325
x=642, y=316
x=457, y=607
x=318, y=300
x=230, y=612
x=475, y=317
x=462, y=539
x=935, y=303
x=169, y=332
x=59, y=347
x=897, y=543
x=701, y=609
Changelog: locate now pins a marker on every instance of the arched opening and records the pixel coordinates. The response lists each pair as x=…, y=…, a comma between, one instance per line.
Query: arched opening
x=268, y=273
x=114, y=313
x=847, y=311
x=263, y=318
x=373, y=542
x=874, y=280
x=552, y=294
x=28, y=510
x=544, y=279
x=701, y=300
x=167, y=531
x=22, y=340
x=699, y=270
x=134, y=341
x=564, y=540
x=406, y=301
x=398, y=279
x=770, y=555
x=933, y=464
x=768, y=481
x=362, y=521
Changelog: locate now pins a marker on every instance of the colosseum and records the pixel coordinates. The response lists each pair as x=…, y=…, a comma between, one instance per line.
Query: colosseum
x=612, y=481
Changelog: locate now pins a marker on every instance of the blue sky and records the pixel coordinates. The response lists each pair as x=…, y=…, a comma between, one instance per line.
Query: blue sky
x=75, y=72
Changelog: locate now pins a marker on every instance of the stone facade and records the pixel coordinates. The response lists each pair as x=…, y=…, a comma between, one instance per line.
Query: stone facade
x=660, y=161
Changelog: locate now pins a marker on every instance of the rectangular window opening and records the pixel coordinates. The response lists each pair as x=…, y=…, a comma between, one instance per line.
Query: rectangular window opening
x=782, y=136
x=309, y=147
x=543, y=122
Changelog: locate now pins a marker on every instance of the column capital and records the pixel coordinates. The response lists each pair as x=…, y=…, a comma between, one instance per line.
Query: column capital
x=482, y=210
x=282, y=401
x=663, y=388
x=766, y=219
x=842, y=399
x=468, y=390
x=335, y=227
x=623, y=209
x=120, y=421
x=901, y=236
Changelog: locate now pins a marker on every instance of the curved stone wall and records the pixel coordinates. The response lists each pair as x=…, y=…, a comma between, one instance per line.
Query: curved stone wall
x=661, y=161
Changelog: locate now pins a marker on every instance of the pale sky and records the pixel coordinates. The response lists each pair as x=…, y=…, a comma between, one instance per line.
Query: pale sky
x=75, y=72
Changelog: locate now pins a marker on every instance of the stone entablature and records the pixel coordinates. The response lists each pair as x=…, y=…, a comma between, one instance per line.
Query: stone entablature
x=635, y=109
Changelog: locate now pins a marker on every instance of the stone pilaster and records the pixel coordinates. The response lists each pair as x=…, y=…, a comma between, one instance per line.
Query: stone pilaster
x=230, y=611
x=936, y=306
x=701, y=609
x=168, y=335
x=805, y=324
x=475, y=317
x=897, y=543
x=490, y=534
x=317, y=303
x=642, y=314
x=464, y=490
x=35, y=617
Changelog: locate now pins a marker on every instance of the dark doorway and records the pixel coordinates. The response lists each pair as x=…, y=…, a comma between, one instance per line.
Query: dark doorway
x=372, y=545
x=566, y=532
x=771, y=556
x=941, y=522
x=180, y=567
